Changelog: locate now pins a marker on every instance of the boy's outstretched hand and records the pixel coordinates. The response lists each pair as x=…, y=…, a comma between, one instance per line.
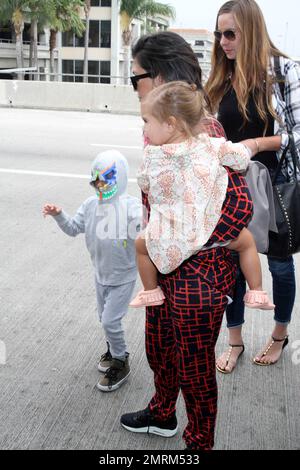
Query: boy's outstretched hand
x=51, y=209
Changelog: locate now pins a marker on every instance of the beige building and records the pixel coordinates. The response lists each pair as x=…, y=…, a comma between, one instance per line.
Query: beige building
x=8, y=51
x=201, y=42
x=105, y=52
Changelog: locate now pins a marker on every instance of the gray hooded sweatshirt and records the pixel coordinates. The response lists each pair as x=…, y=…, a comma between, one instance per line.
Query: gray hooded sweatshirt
x=110, y=226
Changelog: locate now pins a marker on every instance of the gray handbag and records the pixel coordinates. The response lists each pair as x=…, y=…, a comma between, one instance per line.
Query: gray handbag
x=263, y=220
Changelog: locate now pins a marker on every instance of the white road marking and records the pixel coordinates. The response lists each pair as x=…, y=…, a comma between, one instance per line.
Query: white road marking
x=134, y=147
x=51, y=174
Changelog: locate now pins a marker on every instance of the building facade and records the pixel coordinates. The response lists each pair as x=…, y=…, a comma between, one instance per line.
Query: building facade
x=102, y=51
x=105, y=53
x=201, y=42
x=8, y=51
x=105, y=47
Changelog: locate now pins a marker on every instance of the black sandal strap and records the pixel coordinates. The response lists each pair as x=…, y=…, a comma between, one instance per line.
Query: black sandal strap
x=237, y=346
x=276, y=340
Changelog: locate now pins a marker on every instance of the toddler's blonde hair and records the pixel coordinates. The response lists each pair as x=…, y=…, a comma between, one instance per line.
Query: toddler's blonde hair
x=180, y=100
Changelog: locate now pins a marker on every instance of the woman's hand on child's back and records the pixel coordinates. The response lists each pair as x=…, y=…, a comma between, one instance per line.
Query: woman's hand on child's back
x=51, y=209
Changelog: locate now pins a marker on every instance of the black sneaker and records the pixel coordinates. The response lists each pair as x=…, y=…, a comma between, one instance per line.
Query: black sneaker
x=105, y=361
x=115, y=376
x=144, y=421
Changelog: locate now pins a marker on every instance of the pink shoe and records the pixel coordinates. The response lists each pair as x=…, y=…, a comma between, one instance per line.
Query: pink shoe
x=258, y=299
x=148, y=298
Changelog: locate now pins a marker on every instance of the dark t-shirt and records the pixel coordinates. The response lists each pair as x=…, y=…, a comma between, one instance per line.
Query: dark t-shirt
x=236, y=130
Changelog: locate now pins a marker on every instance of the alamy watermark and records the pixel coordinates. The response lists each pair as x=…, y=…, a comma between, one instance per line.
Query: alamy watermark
x=2, y=353
x=178, y=222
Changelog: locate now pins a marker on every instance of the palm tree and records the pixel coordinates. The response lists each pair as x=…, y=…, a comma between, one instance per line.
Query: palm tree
x=65, y=17
x=39, y=14
x=15, y=11
x=130, y=9
x=87, y=9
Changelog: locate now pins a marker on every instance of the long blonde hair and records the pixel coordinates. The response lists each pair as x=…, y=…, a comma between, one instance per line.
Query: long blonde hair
x=251, y=67
x=180, y=100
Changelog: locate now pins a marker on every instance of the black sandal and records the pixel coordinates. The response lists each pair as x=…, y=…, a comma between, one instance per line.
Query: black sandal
x=231, y=346
x=274, y=340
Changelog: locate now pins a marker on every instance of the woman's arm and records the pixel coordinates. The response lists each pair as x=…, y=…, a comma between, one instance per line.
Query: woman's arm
x=292, y=102
x=263, y=144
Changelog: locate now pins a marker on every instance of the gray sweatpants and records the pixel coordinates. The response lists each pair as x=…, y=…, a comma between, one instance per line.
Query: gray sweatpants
x=112, y=305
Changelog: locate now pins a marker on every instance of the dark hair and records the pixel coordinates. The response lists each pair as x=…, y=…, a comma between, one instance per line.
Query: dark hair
x=167, y=54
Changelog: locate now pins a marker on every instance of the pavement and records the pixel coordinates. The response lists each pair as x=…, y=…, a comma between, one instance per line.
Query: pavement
x=50, y=338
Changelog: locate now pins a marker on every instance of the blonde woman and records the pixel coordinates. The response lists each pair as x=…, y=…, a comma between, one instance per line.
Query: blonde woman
x=243, y=90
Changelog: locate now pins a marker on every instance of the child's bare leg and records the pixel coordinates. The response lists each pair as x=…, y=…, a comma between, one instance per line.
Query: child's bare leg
x=249, y=259
x=146, y=268
x=152, y=294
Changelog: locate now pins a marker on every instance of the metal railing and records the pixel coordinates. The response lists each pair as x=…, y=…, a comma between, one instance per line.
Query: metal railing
x=26, y=43
x=57, y=76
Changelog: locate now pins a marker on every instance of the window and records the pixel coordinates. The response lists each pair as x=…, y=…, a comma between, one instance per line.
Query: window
x=93, y=69
x=199, y=43
x=68, y=70
x=105, y=70
x=26, y=33
x=99, y=36
x=68, y=39
x=78, y=70
x=71, y=68
x=105, y=34
x=79, y=41
x=100, y=3
x=94, y=34
x=5, y=32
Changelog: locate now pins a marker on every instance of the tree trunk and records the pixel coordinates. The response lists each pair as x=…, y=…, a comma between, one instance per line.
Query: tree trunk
x=35, y=50
x=33, y=54
x=19, y=55
x=86, y=48
x=19, y=27
x=53, y=34
x=31, y=49
x=127, y=55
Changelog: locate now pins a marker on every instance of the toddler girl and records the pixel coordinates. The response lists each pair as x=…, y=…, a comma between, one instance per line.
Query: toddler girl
x=184, y=176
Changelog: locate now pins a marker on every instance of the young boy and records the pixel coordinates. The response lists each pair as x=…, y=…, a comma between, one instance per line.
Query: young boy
x=110, y=220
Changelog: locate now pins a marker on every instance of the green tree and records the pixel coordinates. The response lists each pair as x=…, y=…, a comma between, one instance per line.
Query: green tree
x=15, y=11
x=130, y=9
x=65, y=17
x=40, y=13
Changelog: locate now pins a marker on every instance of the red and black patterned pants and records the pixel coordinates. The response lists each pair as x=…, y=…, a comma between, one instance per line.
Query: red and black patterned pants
x=180, y=341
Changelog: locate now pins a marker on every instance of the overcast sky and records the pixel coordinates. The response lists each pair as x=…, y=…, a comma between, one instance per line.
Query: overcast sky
x=282, y=19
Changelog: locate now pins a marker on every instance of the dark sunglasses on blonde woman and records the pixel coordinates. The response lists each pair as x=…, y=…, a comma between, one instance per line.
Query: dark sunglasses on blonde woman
x=228, y=34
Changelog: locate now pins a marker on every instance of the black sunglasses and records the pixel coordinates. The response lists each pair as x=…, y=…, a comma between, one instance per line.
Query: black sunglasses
x=135, y=78
x=228, y=34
